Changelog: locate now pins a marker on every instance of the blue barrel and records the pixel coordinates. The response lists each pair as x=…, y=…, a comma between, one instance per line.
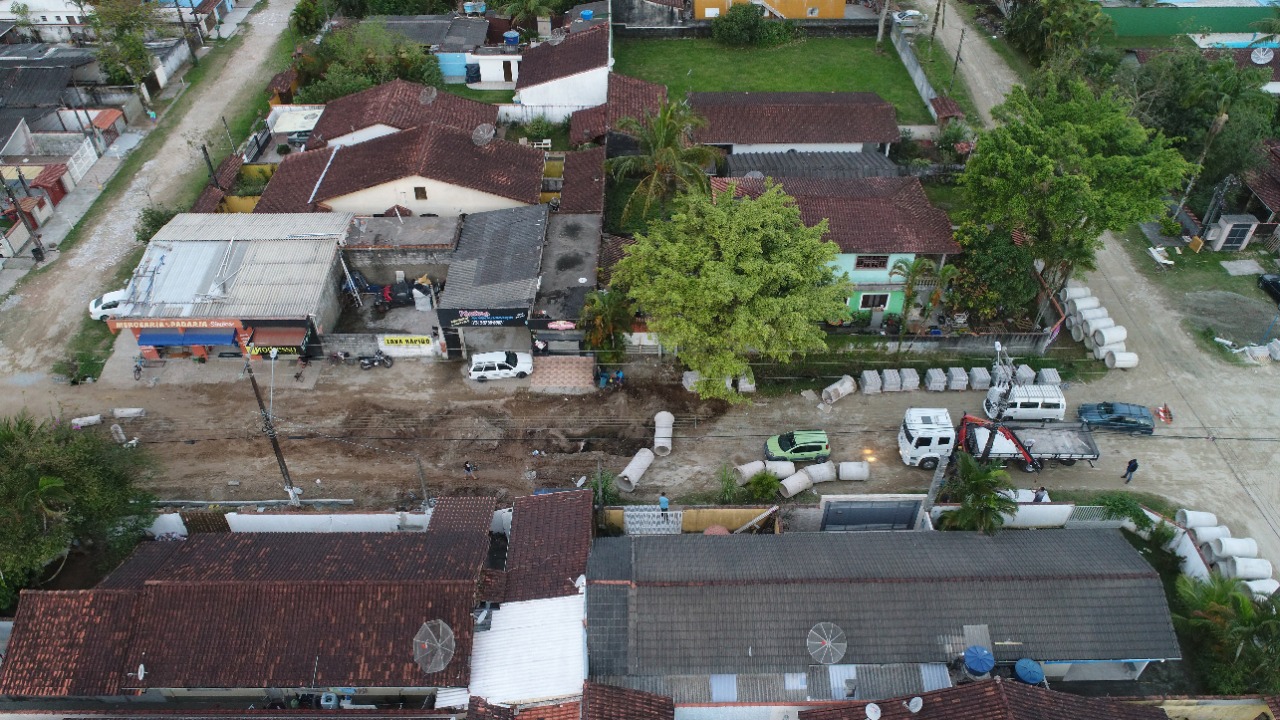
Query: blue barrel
x=511, y=37
x=480, y=7
x=978, y=660
x=588, y=14
x=1029, y=671
x=468, y=7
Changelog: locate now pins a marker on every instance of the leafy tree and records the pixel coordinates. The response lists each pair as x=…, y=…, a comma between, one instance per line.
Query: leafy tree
x=1064, y=165
x=360, y=57
x=981, y=489
x=308, y=17
x=150, y=220
x=724, y=279
x=339, y=81
x=993, y=274
x=1268, y=27
x=122, y=28
x=942, y=280
x=524, y=14
x=911, y=272
x=1044, y=28
x=606, y=318
x=57, y=485
x=669, y=160
x=1236, y=635
x=22, y=20
x=744, y=25
x=762, y=487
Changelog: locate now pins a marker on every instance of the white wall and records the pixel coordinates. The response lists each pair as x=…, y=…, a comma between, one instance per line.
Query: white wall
x=442, y=199
x=359, y=136
x=1029, y=515
x=799, y=147
x=560, y=98
x=492, y=68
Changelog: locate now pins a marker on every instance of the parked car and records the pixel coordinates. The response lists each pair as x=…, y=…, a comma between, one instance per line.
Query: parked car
x=498, y=365
x=105, y=307
x=1270, y=284
x=909, y=18
x=798, y=446
x=1122, y=417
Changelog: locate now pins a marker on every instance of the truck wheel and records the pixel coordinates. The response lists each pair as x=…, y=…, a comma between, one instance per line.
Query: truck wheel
x=929, y=463
x=1067, y=463
x=1031, y=467
x=522, y=375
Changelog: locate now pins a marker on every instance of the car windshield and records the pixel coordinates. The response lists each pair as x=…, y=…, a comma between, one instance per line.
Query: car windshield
x=1104, y=408
x=786, y=442
x=511, y=359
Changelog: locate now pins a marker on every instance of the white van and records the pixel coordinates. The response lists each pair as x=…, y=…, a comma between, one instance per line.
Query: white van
x=1027, y=402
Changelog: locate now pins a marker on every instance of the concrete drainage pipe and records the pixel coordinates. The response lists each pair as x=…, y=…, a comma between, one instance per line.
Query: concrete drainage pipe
x=855, y=471
x=826, y=472
x=1073, y=293
x=744, y=472
x=1083, y=303
x=1195, y=519
x=1242, y=568
x=1092, y=314
x=1092, y=326
x=631, y=474
x=835, y=391
x=1262, y=589
x=1202, y=535
x=1100, y=352
x=1122, y=361
x=796, y=483
x=780, y=468
x=662, y=424
x=1233, y=547
x=1110, y=336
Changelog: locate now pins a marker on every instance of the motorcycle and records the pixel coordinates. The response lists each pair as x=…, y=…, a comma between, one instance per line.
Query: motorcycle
x=369, y=362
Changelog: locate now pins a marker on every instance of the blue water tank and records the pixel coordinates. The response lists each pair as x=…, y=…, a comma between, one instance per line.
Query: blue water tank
x=468, y=7
x=328, y=701
x=511, y=37
x=480, y=7
x=978, y=660
x=588, y=14
x=1029, y=671
x=452, y=64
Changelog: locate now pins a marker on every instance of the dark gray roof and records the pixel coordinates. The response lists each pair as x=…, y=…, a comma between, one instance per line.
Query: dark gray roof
x=498, y=258
x=5, y=27
x=599, y=16
x=10, y=117
x=569, y=265
x=745, y=604
x=451, y=33
x=43, y=55
x=26, y=87
x=828, y=165
x=822, y=682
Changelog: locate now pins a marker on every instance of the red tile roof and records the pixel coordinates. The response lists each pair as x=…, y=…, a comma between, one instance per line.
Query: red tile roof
x=209, y=200
x=282, y=82
x=612, y=249
x=435, y=152
x=49, y=175
x=142, y=564
x=628, y=97
x=463, y=514
x=607, y=702
x=104, y=119
x=402, y=105
x=228, y=170
x=996, y=699
x=577, y=53
x=561, y=711
x=493, y=585
x=584, y=178
x=946, y=107
x=69, y=642
x=1264, y=180
x=796, y=117
x=296, y=634
x=865, y=215
x=550, y=539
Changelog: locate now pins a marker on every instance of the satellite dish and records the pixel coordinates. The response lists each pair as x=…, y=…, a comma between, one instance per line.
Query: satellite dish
x=826, y=643
x=1262, y=56
x=915, y=704
x=142, y=671
x=873, y=711
x=483, y=134
x=433, y=646
x=427, y=96
x=754, y=175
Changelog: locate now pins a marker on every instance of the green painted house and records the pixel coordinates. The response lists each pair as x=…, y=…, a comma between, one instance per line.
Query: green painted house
x=876, y=222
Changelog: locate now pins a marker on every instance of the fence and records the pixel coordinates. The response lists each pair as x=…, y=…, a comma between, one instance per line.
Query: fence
x=1092, y=517
x=909, y=60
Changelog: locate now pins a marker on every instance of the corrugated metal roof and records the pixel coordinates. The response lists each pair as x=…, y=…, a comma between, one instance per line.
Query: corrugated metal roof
x=243, y=226
x=534, y=650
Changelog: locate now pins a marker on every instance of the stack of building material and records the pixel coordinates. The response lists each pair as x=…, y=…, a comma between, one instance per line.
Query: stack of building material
x=891, y=381
x=1024, y=375
x=957, y=379
x=870, y=382
x=910, y=379
x=979, y=378
x=935, y=380
x=1048, y=376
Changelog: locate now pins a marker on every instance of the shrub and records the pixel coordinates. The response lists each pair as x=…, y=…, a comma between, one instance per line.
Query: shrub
x=1169, y=226
x=1122, y=506
x=762, y=487
x=744, y=25
x=540, y=128
x=729, y=492
x=603, y=490
x=150, y=220
x=284, y=149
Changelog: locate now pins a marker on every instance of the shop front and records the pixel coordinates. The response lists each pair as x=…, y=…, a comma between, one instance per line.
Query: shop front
x=290, y=341
x=178, y=338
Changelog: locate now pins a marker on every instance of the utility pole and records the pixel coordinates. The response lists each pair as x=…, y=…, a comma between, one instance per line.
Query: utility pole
x=231, y=143
x=270, y=429
x=213, y=175
x=956, y=67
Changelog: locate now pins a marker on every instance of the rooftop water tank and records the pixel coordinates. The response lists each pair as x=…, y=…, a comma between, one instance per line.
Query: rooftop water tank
x=329, y=701
x=978, y=661
x=468, y=7
x=511, y=37
x=1029, y=671
x=481, y=7
x=588, y=14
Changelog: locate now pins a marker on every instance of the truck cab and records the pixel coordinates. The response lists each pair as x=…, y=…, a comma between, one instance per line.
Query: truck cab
x=926, y=437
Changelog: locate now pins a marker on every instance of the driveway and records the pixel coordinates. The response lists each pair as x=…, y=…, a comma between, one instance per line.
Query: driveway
x=988, y=75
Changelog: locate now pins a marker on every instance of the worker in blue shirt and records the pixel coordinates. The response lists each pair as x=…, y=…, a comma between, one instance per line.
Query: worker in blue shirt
x=663, y=504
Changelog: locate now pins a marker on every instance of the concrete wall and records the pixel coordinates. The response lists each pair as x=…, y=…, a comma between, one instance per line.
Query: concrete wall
x=642, y=13
x=413, y=346
x=442, y=199
x=493, y=68
x=170, y=60
x=350, y=343
x=918, y=76
x=330, y=306
x=380, y=266
x=122, y=97
x=558, y=99
x=697, y=519
x=171, y=523
x=1029, y=515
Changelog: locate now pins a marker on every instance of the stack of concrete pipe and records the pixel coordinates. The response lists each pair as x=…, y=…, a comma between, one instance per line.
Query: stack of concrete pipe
x=1091, y=324
x=1230, y=557
x=802, y=480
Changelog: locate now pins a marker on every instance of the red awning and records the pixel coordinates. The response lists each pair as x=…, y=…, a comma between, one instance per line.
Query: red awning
x=279, y=336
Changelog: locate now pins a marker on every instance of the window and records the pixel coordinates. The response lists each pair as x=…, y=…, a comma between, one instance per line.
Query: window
x=58, y=18
x=812, y=12
x=924, y=442
x=871, y=301
x=944, y=441
x=871, y=262
x=73, y=19
x=419, y=193
x=44, y=18
x=712, y=12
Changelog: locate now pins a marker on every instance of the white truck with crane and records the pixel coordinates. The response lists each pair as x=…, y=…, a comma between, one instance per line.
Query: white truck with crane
x=927, y=438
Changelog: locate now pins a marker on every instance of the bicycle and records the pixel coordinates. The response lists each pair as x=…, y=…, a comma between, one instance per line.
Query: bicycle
x=137, y=368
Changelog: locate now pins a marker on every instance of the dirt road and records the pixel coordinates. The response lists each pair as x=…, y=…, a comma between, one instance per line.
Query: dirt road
x=988, y=75
x=38, y=320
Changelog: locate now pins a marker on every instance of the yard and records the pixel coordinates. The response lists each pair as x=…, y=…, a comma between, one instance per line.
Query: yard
x=814, y=64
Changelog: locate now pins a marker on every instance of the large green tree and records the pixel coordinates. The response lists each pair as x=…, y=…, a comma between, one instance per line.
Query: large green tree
x=59, y=485
x=994, y=274
x=982, y=489
x=1237, y=636
x=524, y=14
x=122, y=28
x=360, y=57
x=726, y=278
x=606, y=318
x=1065, y=164
x=669, y=160
x=1044, y=28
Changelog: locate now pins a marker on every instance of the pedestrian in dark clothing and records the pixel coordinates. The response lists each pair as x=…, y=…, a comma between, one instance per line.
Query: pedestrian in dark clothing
x=1129, y=471
x=469, y=469
x=1042, y=495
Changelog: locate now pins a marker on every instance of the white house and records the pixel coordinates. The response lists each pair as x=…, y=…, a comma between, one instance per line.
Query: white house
x=563, y=75
x=748, y=122
x=51, y=20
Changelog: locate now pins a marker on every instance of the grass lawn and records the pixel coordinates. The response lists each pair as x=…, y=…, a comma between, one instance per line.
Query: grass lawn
x=937, y=64
x=944, y=196
x=559, y=135
x=495, y=97
x=813, y=64
x=1193, y=272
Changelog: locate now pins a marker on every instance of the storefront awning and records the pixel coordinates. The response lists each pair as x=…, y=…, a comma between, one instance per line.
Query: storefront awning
x=161, y=338
x=279, y=336
x=218, y=336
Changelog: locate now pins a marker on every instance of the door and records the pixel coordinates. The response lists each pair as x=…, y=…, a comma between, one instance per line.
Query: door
x=507, y=71
x=453, y=343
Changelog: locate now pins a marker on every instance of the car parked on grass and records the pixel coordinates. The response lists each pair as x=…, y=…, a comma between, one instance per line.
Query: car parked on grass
x=798, y=446
x=1121, y=417
x=105, y=307
x=1270, y=284
x=499, y=365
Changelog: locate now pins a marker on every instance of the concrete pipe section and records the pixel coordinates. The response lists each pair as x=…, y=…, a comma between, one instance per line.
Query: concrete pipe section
x=780, y=468
x=631, y=474
x=86, y=421
x=122, y=413
x=1262, y=589
x=1092, y=314
x=1122, y=361
x=1242, y=568
x=1092, y=326
x=825, y=472
x=855, y=471
x=1100, y=352
x=1083, y=303
x=662, y=424
x=1110, y=336
x=836, y=390
x=1223, y=548
x=795, y=483
x=1195, y=519
x=1202, y=535
x=745, y=472
x=1078, y=332
x=1073, y=293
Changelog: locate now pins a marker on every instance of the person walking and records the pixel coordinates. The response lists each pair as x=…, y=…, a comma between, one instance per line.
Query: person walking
x=1042, y=495
x=469, y=469
x=1129, y=470
x=663, y=504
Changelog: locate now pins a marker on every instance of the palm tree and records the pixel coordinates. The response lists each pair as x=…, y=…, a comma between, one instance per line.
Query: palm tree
x=606, y=316
x=523, y=12
x=48, y=494
x=982, y=491
x=1269, y=27
x=911, y=272
x=669, y=160
x=942, y=279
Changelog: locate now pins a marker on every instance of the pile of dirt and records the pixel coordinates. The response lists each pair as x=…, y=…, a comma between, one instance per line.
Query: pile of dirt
x=1231, y=316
